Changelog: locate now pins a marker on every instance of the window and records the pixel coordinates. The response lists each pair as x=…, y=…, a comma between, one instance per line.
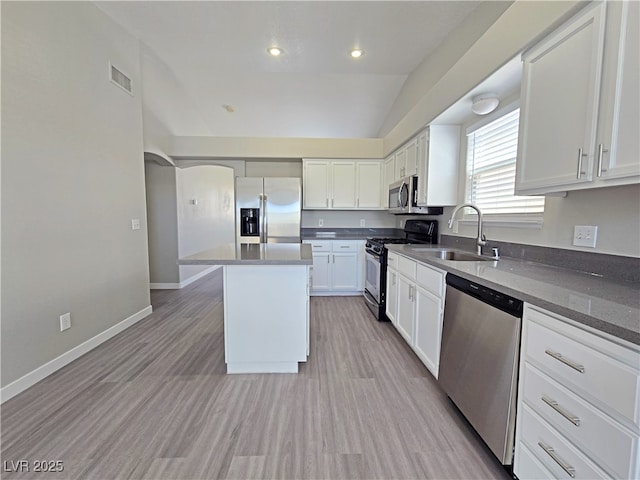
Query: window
x=491, y=169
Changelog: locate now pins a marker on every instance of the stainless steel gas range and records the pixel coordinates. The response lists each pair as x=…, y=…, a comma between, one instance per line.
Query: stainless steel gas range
x=415, y=231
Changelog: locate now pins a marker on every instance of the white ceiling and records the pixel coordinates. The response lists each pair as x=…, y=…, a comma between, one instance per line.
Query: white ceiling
x=217, y=53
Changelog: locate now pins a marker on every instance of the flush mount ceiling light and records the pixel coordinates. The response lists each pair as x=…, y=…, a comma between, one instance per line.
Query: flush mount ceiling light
x=275, y=51
x=357, y=53
x=228, y=108
x=485, y=103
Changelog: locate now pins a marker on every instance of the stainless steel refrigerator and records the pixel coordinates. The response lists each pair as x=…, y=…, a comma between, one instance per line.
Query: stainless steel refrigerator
x=268, y=210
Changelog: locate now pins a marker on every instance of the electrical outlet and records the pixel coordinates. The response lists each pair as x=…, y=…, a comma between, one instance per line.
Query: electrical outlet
x=585, y=235
x=362, y=222
x=65, y=321
x=135, y=224
x=321, y=222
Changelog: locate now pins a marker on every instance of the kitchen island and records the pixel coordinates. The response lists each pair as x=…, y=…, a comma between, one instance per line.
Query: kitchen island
x=266, y=304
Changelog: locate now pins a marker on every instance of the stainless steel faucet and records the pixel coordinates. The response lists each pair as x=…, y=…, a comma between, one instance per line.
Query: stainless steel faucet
x=481, y=240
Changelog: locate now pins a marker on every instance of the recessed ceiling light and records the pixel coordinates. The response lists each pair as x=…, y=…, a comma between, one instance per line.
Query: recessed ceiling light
x=275, y=51
x=357, y=53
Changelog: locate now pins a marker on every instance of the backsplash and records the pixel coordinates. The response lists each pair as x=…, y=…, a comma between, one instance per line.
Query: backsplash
x=616, y=267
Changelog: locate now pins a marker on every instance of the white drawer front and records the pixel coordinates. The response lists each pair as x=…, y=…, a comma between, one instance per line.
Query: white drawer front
x=392, y=260
x=540, y=438
x=431, y=279
x=563, y=410
x=345, y=246
x=319, y=245
x=407, y=267
x=603, y=379
x=527, y=467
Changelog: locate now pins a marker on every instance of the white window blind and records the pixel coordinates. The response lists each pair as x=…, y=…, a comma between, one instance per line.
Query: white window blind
x=491, y=169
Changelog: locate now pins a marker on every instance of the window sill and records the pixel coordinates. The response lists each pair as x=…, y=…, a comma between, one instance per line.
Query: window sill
x=508, y=221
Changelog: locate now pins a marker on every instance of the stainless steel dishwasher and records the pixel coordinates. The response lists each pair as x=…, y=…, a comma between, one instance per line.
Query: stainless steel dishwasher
x=479, y=360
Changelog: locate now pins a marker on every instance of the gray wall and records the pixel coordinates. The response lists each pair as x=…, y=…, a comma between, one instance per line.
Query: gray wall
x=162, y=221
x=72, y=180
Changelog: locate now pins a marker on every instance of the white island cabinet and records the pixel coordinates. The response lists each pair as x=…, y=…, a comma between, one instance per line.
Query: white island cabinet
x=266, y=305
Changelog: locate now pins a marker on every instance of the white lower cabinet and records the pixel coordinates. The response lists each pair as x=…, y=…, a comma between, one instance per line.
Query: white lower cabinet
x=415, y=306
x=406, y=308
x=578, y=402
x=428, y=328
x=392, y=296
x=337, y=266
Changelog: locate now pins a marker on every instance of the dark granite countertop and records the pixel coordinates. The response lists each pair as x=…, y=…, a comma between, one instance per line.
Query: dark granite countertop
x=607, y=305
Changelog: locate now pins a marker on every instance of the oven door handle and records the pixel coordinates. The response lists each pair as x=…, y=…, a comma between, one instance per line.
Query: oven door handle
x=369, y=299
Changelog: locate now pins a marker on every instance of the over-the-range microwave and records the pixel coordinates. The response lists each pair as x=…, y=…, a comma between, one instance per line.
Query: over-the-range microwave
x=403, y=199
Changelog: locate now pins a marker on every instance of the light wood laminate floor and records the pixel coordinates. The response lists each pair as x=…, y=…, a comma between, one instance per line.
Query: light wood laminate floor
x=154, y=402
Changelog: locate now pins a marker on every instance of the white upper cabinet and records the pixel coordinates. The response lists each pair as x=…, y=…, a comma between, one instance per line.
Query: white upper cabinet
x=432, y=155
x=401, y=164
x=343, y=180
x=411, y=157
x=438, y=149
x=618, y=142
x=342, y=184
x=576, y=116
x=389, y=176
x=369, y=185
x=316, y=189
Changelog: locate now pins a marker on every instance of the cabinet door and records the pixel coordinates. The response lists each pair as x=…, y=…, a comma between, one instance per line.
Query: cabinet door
x=392, y=296
x=343, y=184
x=422, y=164
x=368, y=185
x=401, y=163
x=618, y=149
x=345, y=271
x=321, y=273
x=389, y=177
x=316, y=184
x=406, y=308
x=560, y=93
x=411, y=158
x=428, y=329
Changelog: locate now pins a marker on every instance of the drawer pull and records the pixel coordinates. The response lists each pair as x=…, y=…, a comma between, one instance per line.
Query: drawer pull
x=560, y=358
x=345, y=246
x=568, y=415
x=564, y=465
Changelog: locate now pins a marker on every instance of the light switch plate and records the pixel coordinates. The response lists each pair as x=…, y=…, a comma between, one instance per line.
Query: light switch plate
x=585, y=235
x=135, y=224
x=65, y=321
x=362, y=222
x=320, y=222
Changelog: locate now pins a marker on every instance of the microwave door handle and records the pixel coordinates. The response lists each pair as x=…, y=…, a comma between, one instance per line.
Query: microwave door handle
x=400, y=195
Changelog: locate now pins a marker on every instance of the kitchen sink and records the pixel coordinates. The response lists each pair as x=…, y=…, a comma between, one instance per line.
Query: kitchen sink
x=452, y=255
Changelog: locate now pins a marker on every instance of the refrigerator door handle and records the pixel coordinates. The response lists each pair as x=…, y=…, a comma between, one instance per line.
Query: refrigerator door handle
x=265, y=219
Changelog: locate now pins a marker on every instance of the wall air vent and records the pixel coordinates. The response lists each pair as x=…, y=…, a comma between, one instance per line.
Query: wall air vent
x=120, y=79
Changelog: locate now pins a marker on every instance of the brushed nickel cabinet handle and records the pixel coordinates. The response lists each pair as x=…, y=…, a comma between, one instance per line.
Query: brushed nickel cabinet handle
x=560, y=358
x=601, y=150
x=565, y=413
x=580, y=155
x=564, y=465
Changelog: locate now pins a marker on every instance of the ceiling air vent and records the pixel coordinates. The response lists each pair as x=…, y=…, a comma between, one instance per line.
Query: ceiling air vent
x=120, y=79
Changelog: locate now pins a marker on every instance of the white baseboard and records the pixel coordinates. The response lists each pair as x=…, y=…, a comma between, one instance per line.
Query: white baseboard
x=33, y=377
x=164, y=286
x=184, y=283
x=332, y=293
